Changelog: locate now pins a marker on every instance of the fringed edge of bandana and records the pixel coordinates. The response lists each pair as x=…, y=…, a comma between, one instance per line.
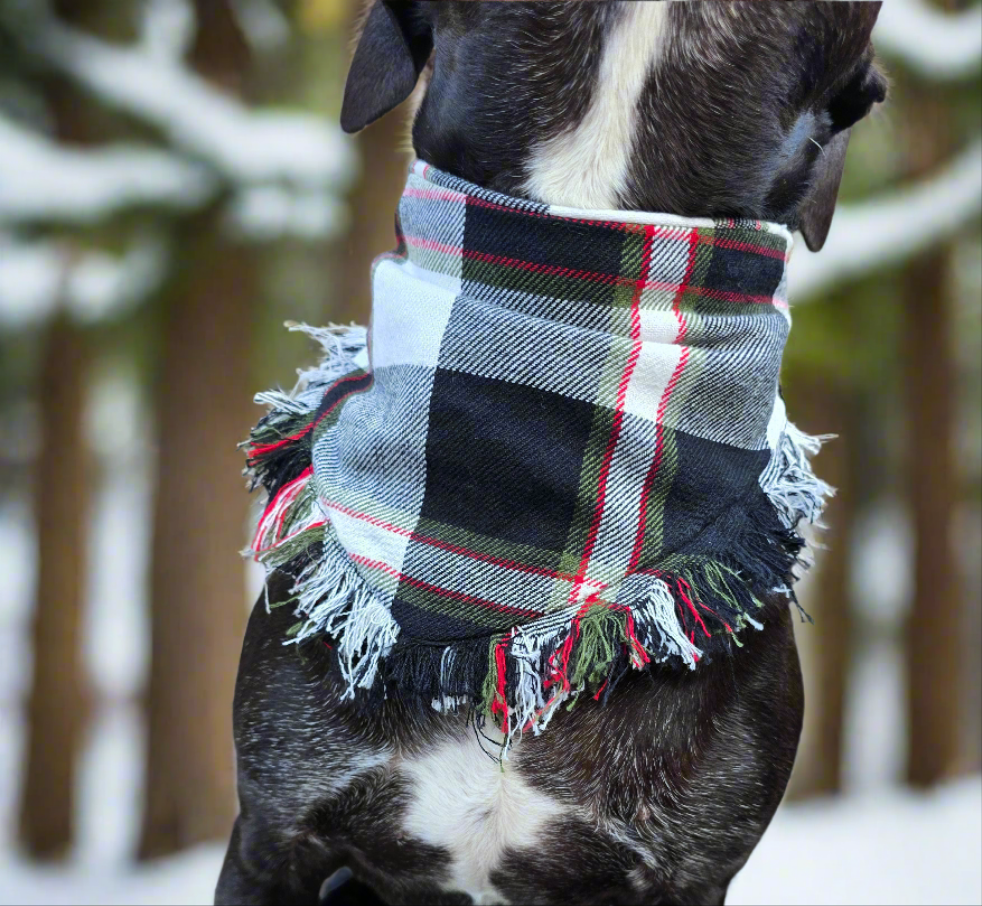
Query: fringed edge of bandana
x=693, y=607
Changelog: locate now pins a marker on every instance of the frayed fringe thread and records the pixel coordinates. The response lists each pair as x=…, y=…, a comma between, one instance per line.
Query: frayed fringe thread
x=519, y=679
x=328, y=594
x=789, y=482
x=334, y=599
x=344, y=347
x=280, y=446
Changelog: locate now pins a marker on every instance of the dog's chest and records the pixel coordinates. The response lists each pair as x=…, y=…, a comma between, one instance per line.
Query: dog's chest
x=478, y=809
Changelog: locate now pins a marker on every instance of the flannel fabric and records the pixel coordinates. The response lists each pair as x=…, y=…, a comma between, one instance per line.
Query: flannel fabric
x=565, y=453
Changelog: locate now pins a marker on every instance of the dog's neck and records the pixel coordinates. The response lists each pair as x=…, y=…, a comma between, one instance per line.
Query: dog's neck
x=570, y=456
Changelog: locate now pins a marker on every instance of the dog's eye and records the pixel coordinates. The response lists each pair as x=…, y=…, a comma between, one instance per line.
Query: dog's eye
x=855, y=100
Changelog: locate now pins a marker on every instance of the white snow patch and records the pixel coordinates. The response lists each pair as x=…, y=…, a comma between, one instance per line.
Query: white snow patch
x=116, y=630
x=263, y=23
x=938, y=45
x=109, y=790
x=43, y=181
x=167, y=28
x=268, y=212
x=18, y=566
x=882, y=563
x=887, y=847
x=875, y=745
x=38, y=276
x=251, y=146
x=188, y=878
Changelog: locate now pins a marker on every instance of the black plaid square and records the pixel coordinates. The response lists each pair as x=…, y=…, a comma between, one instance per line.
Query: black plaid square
x=511, y=450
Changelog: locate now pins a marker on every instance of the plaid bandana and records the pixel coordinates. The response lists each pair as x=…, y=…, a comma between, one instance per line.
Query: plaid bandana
x=568, y=456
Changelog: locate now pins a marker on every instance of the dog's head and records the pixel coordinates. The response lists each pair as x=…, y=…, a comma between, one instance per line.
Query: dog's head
x=726, y=109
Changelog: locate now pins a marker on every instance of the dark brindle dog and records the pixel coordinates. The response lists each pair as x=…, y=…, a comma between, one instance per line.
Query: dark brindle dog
x=661, y=794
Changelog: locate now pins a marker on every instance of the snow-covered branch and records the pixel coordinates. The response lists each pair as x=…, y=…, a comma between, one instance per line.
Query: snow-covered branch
x=877, y=233
x=43, y=181
x=36, y=277
x=263, y=23
x=262, y=213
x=938, y=45
x=245, y=146
x=167, y=28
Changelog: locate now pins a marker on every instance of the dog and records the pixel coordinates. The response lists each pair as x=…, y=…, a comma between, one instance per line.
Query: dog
x=660, y=794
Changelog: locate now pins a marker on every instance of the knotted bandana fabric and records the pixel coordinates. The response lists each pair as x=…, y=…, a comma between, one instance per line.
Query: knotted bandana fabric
x=559, y=452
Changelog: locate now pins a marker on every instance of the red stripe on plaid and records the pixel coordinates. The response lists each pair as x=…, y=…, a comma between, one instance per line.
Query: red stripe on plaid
x=365, y=517
x=552, y=270
x=503, y=563
x=542, y=215
x=743, y=247
x=656, y=459
x=432, y=194
x=443, y=592
x=663, y=404
x=280, y=506
x=457, y=549
x=618, y=420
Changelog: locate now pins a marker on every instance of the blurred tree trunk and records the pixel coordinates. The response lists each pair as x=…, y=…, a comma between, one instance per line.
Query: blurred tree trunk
x=56, y=704
x=197, y=575
x=827, y=406
x=372, y=205
x=933, y=630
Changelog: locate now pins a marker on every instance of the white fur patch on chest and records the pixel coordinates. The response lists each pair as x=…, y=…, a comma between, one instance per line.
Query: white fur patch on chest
x=467, y=802
x=587, y=166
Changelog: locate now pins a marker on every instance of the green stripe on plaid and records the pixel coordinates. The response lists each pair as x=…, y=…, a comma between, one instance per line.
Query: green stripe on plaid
x=594, y=288
x=486, y=546
x=599, y=446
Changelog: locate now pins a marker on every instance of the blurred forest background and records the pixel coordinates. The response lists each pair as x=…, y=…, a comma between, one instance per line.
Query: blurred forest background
x=173, y=187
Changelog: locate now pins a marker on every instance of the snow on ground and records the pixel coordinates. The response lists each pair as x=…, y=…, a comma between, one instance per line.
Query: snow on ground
x=188, y=878
x=877, y=844
x=888, y=846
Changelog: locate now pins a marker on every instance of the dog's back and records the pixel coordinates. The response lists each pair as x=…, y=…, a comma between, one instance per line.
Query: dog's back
x=661, y=793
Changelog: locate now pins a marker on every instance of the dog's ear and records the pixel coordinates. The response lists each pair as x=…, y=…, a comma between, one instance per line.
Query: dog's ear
x=853, y=102
x=815, y=213
x=395, y=44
